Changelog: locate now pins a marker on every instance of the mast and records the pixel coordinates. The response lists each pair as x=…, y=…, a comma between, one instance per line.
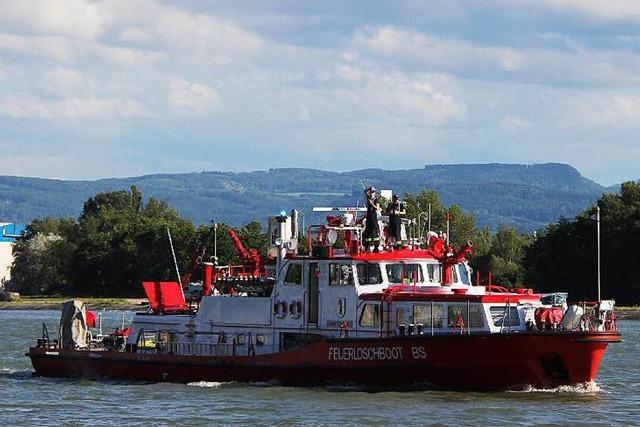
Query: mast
x=280, y=242
x=175, y=262
x=448, y=220
x=598, y=244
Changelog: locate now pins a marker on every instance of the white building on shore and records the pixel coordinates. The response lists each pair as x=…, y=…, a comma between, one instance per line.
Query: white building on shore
x=8, y=234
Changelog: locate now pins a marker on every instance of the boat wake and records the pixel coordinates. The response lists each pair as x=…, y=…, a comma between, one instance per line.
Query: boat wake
x=16, y=374
x=208, y=384
x=584, y=388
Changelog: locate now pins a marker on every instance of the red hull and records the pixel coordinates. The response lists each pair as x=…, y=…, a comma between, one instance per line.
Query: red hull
x=464, y=362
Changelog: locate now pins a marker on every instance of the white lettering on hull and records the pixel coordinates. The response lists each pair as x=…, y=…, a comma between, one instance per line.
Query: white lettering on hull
x=374, y=353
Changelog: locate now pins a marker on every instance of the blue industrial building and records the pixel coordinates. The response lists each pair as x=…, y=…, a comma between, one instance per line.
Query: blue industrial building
x=10, y=232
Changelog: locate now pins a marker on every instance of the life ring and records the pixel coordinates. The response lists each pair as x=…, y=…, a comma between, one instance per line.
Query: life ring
x=295, y=309
x=280, y=309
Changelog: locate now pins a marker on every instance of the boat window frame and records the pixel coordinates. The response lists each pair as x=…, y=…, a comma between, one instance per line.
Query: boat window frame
x=367, y=266
x=290, y=265
x=145, y=336
x=497, y=321
x=404, y=316
x=474, y=308
x=241, y=338
x=350, y=280
x=376, y=315
x=437, y=320
x=461, y=266
x=404, y=281
x=437, y=272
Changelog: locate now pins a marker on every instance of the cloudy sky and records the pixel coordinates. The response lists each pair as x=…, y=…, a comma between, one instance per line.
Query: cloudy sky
x=92, y=89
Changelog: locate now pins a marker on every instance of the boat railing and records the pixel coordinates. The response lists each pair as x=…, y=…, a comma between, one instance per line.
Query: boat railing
x=197, y=349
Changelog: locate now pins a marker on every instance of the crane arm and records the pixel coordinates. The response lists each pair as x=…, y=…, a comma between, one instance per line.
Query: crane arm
x=240, y=249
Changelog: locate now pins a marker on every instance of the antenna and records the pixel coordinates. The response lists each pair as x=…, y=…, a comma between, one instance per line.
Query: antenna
x=173, y=252
x=598, y=238
x=448, y=221
x=215, y=241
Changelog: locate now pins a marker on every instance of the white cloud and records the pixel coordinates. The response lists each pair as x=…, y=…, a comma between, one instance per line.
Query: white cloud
x=397, y=95
x=534, y=65
x=63, y=81
x=602, y=109
x=135, y=35
x=97, y=107
x=72, y=18
x=393, y=41
x=612, y=9
x=63, y=50
x=24, y=107
x=513, y=123
x=30, y=107
x=208, y=37
x=305, y=114
x=191, y=98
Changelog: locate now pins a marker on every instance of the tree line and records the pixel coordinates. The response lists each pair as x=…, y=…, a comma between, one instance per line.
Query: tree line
x=116, y=242
x=119, y=240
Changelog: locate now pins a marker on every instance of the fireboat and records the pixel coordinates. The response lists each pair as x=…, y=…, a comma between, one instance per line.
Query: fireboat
x=401, y=317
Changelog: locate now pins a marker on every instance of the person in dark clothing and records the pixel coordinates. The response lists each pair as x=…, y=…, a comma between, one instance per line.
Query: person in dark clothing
x=396, y=210
x=371, y=235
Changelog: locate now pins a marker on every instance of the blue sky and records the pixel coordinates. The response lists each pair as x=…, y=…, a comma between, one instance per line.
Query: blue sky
x=92, y=89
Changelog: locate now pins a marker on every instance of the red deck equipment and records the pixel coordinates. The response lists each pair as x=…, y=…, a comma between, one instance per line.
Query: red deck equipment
x=165, y=297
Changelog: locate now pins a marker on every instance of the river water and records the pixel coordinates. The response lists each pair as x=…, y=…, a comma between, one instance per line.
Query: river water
x=29, y=400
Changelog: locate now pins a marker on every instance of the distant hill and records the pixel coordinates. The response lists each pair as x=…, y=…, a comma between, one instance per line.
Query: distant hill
x=524, y=196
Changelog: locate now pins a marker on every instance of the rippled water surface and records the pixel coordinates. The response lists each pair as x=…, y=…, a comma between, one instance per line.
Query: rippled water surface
x=29, y=400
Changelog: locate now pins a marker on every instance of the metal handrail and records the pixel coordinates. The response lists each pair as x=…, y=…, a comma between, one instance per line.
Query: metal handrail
x=197, y=349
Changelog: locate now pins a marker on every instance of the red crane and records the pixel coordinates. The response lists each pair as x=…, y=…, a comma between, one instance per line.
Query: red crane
x=251, y=259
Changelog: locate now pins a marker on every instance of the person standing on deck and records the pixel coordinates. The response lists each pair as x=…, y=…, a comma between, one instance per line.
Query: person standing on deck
x=371, y=233
x=396, y=210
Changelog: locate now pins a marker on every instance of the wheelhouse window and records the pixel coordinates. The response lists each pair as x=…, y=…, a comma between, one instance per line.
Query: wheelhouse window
x=260, y=339
x=370, y=316
x=422, y=315
x=433, y=273
x=504, y=316
x=241, y=339
x=463, y=274
x=294, y=274
x=369, y=274
x=459, y=311
x=340, y=274
x=400, y=316
x=147, y=340
x=404, y=273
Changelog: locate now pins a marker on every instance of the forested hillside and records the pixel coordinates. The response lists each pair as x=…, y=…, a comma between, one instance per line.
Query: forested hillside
x=526, y=197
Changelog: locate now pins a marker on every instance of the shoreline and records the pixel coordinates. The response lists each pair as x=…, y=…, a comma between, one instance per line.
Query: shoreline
x=628, y=313
x=42, y=303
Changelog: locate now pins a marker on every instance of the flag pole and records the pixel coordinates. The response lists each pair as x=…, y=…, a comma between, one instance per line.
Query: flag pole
x=598, y=238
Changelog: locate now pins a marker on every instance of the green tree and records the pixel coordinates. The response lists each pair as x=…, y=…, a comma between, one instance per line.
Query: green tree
x=563, y=257
x=502, y=254
x=462, y=225
x=43, y=257
x=121, y=241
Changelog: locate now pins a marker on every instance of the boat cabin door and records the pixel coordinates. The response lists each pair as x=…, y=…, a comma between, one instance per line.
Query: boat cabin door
x=313, y=291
